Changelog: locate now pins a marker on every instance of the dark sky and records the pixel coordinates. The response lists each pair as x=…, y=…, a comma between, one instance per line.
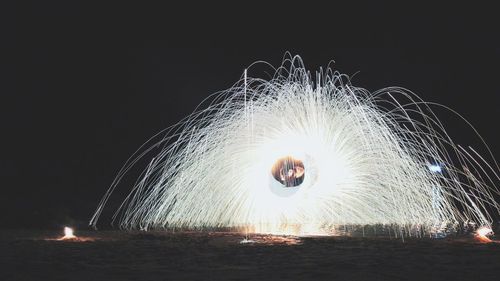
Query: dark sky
x=85, y=85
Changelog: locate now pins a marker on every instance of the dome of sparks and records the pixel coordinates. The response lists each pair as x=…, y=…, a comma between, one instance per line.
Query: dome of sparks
x=242, y=162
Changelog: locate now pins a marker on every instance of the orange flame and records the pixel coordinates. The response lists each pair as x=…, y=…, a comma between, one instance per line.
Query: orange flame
x=482, y=234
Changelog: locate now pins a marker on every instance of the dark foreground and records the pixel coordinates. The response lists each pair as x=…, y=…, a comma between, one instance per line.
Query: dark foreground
x=114, y=255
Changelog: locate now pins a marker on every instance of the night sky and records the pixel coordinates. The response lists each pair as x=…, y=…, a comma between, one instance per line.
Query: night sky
x=85, y=85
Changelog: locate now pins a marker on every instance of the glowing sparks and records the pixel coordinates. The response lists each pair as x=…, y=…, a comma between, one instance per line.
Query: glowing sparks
x=68, y=234
x=482, y=234
x=273, y=240
x=71, y=237
x=295, y=155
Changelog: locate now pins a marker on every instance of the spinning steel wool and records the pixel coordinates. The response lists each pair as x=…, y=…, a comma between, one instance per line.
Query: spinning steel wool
x=299, y=154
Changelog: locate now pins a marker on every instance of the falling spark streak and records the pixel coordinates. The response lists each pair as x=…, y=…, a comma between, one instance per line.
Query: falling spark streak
x=297, y=155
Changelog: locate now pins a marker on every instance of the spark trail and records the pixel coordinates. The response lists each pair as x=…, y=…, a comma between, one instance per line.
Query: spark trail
x=298, y=154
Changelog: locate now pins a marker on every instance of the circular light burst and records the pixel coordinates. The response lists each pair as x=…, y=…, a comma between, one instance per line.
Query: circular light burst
x=298, y=155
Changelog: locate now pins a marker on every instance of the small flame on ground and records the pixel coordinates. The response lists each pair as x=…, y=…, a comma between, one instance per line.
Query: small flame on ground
x=68, y=234
x=482, y=234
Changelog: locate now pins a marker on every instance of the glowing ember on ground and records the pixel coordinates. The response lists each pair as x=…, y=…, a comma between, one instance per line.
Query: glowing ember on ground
x=246, y=241
x=482, y=234
x=68, y=234
x=272, y=240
